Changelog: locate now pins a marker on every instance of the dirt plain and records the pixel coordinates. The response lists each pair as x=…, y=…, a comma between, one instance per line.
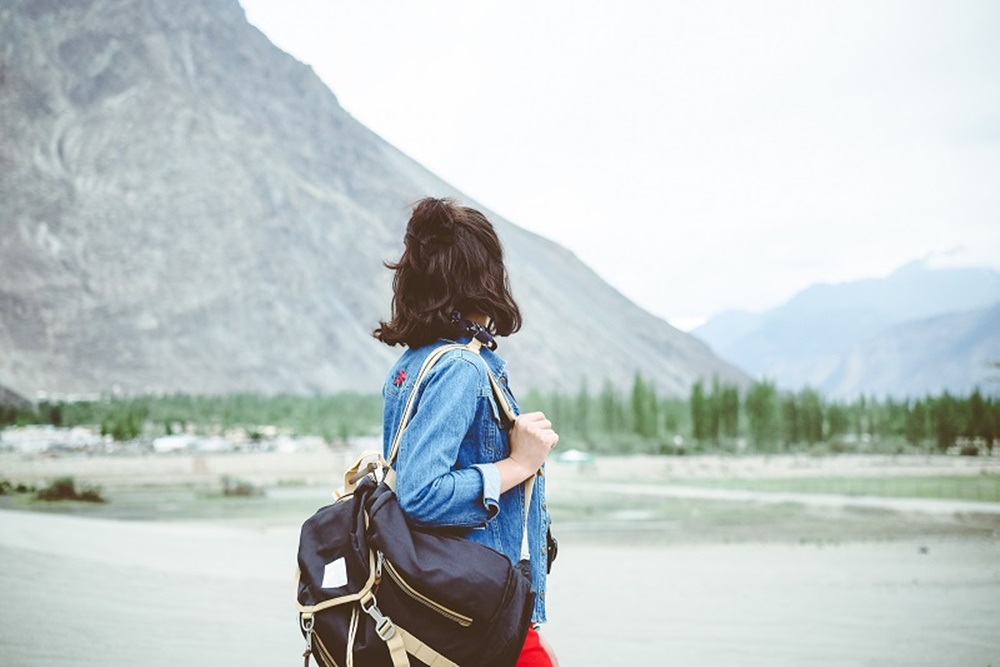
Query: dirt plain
x=170, y=573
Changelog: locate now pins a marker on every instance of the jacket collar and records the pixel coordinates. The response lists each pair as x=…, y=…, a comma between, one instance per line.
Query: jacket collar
x=494, y=361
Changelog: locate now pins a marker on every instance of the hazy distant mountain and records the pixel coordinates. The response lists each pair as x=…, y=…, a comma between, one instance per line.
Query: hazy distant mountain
x=955, y=352
x=185, y=207
x=807, y=340
x=9, y=398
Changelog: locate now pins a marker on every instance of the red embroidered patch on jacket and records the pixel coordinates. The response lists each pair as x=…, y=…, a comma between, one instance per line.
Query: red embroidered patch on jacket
x=400, y=377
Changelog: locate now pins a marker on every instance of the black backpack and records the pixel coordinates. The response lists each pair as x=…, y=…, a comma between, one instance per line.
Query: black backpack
x=374, y=591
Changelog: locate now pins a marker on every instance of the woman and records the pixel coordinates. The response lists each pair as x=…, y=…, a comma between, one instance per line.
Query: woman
x=459, y=466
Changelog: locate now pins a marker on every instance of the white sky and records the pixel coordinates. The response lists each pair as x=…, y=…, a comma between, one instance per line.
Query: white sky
x=698, y=155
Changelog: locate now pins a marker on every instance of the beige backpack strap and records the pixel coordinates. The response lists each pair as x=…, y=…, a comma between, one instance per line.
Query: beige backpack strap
x=529, y=484
x=429, y=362
x=386, y=630
x=397, y=650
x=423, y=652
x=369, y=462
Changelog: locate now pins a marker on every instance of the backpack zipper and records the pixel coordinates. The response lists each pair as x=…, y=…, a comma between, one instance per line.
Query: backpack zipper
x=323, y=655
x=461, y=619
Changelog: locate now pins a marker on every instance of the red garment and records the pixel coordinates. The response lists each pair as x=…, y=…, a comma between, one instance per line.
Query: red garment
x=536, y=652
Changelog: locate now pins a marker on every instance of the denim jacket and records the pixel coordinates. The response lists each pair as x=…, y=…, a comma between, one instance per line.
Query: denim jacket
x=445, y=469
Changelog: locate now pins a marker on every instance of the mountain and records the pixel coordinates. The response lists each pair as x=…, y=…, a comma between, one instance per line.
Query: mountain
x=11, y=399
x=184, y=207
x=955, y=352
x=808, y=340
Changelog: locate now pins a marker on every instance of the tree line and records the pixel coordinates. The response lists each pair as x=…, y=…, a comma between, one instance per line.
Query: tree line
x=715, y=416
x=335, y=417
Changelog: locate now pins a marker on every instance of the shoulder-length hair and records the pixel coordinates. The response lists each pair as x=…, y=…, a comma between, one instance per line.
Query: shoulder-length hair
x=452, y=262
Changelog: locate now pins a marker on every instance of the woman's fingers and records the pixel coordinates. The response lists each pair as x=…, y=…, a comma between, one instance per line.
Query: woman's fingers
x=538, y=426
x=535, y=420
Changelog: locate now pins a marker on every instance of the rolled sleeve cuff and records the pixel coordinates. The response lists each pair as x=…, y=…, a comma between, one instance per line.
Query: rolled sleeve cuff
x=491, y=488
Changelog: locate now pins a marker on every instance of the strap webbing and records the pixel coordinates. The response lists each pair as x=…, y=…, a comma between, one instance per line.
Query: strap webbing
x=397, y=650
x=425, y=368
x=386, y=630
x=529, y=486
x=423, y=652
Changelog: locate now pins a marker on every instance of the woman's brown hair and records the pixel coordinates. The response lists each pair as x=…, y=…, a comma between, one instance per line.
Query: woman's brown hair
x=452, y=262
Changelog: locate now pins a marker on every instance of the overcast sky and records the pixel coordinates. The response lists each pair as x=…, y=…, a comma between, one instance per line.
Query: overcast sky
x=700, y=156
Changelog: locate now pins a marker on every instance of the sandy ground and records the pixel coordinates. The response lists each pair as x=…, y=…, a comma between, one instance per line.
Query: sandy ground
x=779, y=604
x=688, y=588
x=84, y=591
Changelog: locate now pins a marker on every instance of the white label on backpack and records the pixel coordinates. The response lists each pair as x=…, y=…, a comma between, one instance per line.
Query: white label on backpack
x=335, y=574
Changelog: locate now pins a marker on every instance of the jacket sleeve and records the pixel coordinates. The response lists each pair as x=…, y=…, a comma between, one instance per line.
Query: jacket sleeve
x=430, y=491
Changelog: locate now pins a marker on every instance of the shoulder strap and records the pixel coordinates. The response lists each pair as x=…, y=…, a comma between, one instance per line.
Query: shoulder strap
x=425, y=368
x=529, y=484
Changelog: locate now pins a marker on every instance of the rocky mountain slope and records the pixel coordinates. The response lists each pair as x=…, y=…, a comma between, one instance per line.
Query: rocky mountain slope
x=914, y=331
x=184, y=207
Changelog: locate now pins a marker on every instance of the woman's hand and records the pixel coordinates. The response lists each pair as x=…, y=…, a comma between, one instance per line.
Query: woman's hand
x=531, y=440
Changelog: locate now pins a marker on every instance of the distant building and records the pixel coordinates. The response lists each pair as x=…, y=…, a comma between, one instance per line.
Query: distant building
x=46, y=438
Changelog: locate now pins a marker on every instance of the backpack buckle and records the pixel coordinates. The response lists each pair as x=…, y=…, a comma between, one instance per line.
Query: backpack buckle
x=307, y=621
x=369, y=464
x=384, y=626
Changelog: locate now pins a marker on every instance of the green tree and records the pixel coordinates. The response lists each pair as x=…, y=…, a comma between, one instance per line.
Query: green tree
x=584, y=411
x=915, y=425
x=675, y=414
x=944, y=414
x=994, y=425
x=859, y=417
x=124, y=420
x=810, y=415
x=838, y=420
x=729, y=407
x=790, y=420
x=979, y=417
x=51, y=413
x=714, y=402
x=892, y=419
x=612, y=412
x=699, y=412
x=761, y=407
x=644, y=417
